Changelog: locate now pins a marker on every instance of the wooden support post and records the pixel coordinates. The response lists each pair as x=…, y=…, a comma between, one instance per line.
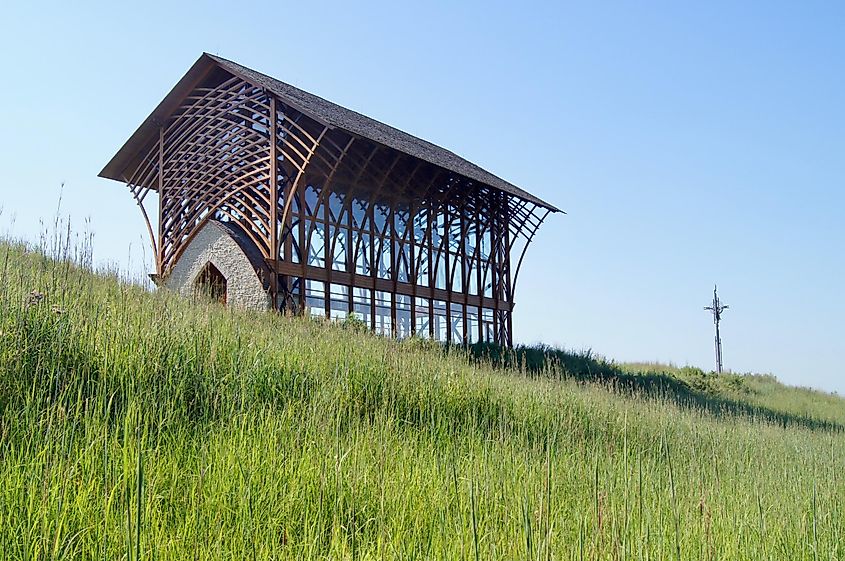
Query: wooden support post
x=463, y=269
x=161, y=201
x=508, y=339
x=274, y=205
x=350, y=264
x=432, y=209
x=444, y=244
x=411, y=237
x=394, y=266
x=328, y=258
x=479, y=245
x=373, y=267
x=496, y=268
x=303, y=248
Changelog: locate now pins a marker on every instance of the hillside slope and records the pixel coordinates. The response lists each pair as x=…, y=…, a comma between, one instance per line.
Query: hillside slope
x=137, y=425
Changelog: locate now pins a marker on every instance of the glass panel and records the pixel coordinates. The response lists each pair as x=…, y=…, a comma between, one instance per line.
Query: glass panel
x=454, y=229
x=311, y=196
x=383, y=320
x=383, y=258
x=339, y=301
x=383, y=253
x=359, y=213
x=380, y=214
x=488, y=281
x=335, y=206
x=403, y=258
x=440, y=278
x=472, y=277
x=456, y=271
x=316, y=247
x=485, y=244
x=471, y=263
x=487, y=322
x=457, y=324
x=472, y=324
x=441, y=324
x=421, y=308
x=363, y=242
x=361, y=299
x=400, y=222
x=438, y=257
x=340, y=236
x=420, y=225
x=421, y=257
x=315, y=294
x=403, y=316
x=294, y=204
x=292, y=302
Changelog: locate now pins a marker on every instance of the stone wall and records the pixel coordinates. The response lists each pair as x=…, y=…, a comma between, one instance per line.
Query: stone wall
x=216, y=243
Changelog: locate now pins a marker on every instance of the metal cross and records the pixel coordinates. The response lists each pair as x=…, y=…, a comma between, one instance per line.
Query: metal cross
x=717, y=308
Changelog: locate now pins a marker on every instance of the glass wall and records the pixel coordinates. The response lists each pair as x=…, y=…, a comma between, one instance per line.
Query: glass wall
x=425, y=267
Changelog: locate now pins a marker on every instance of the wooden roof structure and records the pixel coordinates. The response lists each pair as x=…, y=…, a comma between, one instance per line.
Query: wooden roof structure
x=124, y=162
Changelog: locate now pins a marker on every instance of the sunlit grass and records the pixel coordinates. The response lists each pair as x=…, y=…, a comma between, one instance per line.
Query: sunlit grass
x=142, y=425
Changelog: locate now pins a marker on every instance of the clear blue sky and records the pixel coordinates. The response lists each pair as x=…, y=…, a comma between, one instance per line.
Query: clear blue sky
x=690, y=144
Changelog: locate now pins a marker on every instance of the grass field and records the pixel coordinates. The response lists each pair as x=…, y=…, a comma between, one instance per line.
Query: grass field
x=142, y=426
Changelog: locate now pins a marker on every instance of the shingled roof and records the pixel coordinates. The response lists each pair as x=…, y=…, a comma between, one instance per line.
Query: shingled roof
x=319, y=109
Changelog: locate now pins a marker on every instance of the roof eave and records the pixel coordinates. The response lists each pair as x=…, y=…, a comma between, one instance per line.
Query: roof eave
x=144, y=135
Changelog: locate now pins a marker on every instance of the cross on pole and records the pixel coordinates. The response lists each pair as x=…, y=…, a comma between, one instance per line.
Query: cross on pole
x=717, y=308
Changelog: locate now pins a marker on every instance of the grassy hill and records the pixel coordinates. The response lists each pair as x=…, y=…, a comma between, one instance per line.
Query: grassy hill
x=137, y=425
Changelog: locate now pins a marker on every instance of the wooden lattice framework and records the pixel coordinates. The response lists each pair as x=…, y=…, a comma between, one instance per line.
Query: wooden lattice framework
x=346, y=224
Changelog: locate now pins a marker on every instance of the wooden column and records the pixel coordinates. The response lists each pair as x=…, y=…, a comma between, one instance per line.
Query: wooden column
x=411, y=236
x=463, y=271
x=327, y=248
x=394, y=265
x=303, y=248
x=432, y=209
x=495, y=268
x=444, y=244
x=479, y=245
x=373, y=268
x=161, y=196
x=508, y=340
x=350, y=255
x=274, y=205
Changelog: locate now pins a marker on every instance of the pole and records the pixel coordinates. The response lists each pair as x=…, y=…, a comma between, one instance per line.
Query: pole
x=717, y=308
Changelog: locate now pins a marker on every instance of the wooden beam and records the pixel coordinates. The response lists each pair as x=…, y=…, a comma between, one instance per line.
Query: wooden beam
x=319, y=274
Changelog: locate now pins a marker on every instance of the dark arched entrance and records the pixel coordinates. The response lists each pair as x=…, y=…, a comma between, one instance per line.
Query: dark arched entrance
x=211, y=284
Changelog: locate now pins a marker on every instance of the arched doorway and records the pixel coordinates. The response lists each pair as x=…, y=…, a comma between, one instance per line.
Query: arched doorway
x=211, y=284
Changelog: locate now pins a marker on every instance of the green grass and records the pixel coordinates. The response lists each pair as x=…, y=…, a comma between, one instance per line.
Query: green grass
x=754, y=395
x=137, y=425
